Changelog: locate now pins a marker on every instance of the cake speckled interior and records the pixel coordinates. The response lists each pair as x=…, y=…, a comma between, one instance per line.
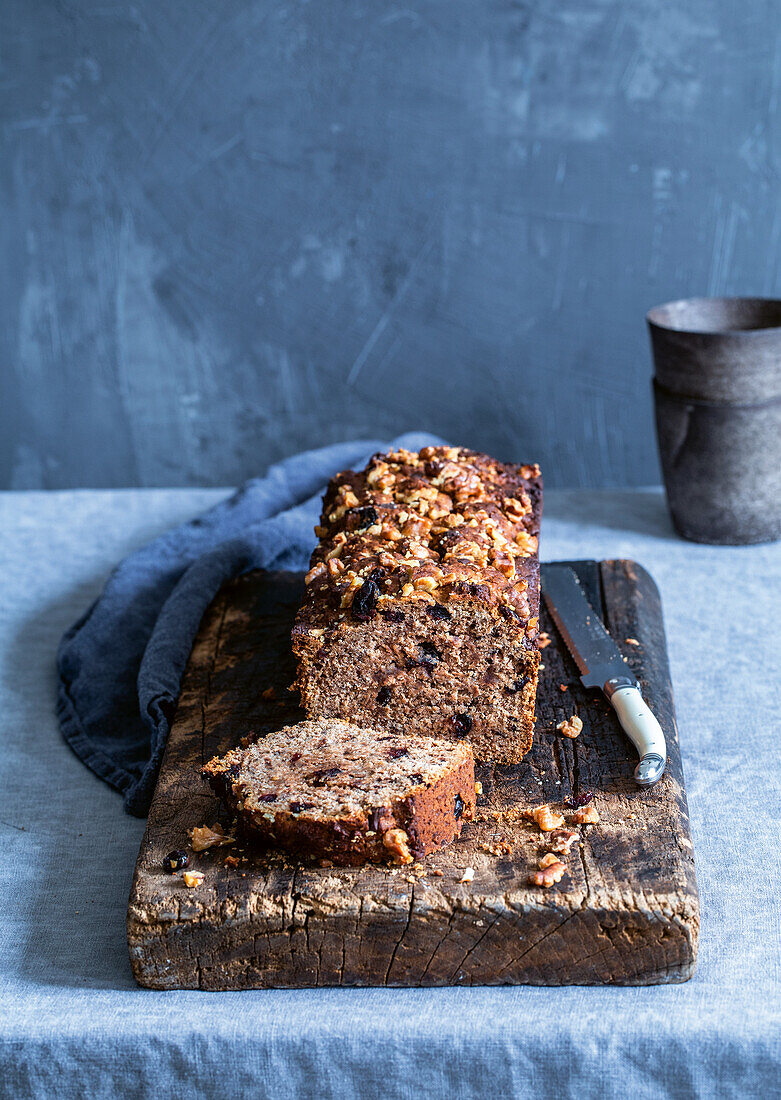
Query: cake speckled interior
x=326, y=789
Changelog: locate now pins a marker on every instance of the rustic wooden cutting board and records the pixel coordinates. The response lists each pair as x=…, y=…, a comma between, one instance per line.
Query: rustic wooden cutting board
x=627, y=912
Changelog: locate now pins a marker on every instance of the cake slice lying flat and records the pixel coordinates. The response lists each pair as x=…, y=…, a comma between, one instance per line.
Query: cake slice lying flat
x=330, y=790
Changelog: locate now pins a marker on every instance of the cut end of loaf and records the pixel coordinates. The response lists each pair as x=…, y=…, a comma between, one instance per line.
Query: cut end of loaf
x=422, y=608
x=465, y=675
x=330, y=790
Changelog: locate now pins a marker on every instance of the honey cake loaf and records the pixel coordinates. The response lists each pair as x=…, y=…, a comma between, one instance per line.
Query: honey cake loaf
x=330, y=790
x=422, y=603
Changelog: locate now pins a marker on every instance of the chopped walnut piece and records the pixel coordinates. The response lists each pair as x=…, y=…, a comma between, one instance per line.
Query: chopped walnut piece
x=193, y=878
x=561, y=840
x=571, y=727
x=468, y=875
x=207, y=836
x=552, y=870
x=548, y=860
x=396, y=841
x=631, y=641
x=437, y=873
x=543, y=639
x=547, y=819
x=585, y=816
x=231, y=861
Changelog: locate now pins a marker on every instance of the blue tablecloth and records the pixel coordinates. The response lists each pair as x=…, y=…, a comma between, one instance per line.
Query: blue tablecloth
x=72, y=1022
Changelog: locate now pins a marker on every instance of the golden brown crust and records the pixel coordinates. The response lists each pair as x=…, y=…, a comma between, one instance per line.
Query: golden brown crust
x=437, y=525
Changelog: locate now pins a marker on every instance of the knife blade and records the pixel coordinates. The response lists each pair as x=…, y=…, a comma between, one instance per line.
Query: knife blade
x=602, y=666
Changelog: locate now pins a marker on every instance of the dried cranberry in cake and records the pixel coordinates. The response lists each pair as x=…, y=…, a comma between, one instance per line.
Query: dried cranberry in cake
x=348, y=797
x=460, y=724
x=439, y=595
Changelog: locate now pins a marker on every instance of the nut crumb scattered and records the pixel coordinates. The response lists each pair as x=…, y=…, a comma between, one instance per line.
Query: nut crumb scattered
x=631, y=641
x=561, y=840
x=478, y=787
x=231, y=861
x=571, y=727
x=563, y=687
x=468, y=875
x=193, y=878
x=269, y=693
x=503, y=848
x=437, y=873
x=543, y=640
x=547, y=819
x=209, y=836
x=550, y=873
x=587, y=815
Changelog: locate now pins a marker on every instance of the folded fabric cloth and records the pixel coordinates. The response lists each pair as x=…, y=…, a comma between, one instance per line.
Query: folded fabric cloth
x=121, y=664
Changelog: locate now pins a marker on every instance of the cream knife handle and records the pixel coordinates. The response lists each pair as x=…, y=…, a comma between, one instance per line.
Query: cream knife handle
x=643, y=731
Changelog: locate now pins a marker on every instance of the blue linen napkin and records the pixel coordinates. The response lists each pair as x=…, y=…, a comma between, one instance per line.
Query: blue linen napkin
x=121, y=664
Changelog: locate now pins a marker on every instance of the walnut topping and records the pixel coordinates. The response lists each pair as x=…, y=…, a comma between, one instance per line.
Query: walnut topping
x=207, y=836
x=193, y=878
x=397, y=843
x=551, y=871
x=561, y=840
x=587, y=815
x=547, y=820
x=468, y=515
x=571, y=727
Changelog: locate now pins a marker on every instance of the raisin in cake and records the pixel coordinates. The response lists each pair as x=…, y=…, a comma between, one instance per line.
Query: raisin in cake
x=329, y=790
x=422, y=601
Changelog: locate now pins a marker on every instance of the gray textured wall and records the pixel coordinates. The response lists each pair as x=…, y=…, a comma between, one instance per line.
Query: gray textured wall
x=232, y=229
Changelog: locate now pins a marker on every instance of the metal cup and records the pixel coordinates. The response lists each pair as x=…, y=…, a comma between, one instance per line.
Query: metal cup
x=717, y=392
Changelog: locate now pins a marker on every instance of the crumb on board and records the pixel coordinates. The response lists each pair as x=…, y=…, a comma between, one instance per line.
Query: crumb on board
x=552, y=870
x=478, y=787
x=586, y=815
x=468, y=875
x=209, y=836
x=563, y=687
x=561, y=840
x=193, y=878
x=631, y=641
x=502, y=848
x=543, y=640
x=546, y=819
x=571, y=727
x=269, y=693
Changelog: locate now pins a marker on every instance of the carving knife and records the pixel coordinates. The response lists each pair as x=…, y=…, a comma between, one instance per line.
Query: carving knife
x=602, y=666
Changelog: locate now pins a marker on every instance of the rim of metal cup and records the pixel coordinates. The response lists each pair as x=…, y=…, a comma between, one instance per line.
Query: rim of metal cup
x=663, y=316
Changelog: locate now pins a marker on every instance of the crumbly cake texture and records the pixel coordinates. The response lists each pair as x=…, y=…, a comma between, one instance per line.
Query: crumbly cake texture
x=327, y=789
x=422, y=601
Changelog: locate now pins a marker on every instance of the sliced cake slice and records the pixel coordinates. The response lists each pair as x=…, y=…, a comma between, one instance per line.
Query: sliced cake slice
x=327, y=789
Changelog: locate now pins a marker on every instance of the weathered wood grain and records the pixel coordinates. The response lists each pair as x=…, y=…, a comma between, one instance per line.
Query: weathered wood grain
x=626, y=913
